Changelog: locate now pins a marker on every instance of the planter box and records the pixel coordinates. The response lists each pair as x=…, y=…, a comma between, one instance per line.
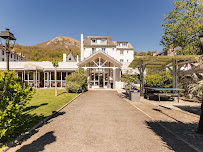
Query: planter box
x=135, y=96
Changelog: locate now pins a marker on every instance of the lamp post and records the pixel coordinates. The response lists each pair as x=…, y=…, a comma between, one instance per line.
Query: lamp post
x=8, y=36
x=200, y=125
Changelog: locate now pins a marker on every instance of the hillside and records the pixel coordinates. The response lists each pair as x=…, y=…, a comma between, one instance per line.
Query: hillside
x=49, y=50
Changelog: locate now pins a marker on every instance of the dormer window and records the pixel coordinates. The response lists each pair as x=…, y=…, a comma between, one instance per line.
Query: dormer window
x=94, y=41
x=124, y=44
x=103, y=41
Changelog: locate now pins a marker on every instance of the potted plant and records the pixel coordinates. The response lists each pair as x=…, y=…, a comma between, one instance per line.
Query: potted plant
x=129, y=80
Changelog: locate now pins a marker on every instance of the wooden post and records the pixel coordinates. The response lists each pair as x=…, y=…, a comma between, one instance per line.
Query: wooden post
x=141, y=70
x=174, y=72
x=114, y=78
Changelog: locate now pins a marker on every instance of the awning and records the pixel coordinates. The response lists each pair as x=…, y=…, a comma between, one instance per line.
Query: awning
x=31, y=66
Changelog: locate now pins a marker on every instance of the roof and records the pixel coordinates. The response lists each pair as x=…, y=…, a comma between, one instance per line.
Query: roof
x=87, y=41
x=42, y=66
x=103, y=56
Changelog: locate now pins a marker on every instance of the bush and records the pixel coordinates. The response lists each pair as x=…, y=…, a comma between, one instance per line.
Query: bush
x=77, y=81
x=73, y=87
x=129, y=79
x=162, y=79
x=14, y=94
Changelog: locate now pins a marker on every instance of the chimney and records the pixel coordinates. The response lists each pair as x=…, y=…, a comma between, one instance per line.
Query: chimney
x=77, y=58
x=64, y=57
x=81, y=49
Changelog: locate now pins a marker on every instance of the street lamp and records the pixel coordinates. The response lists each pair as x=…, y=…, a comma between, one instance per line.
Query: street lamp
x=8, y=36
x=200, y=125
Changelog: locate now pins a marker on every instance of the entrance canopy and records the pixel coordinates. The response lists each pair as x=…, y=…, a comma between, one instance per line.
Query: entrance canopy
x=100, y=59
x=31, y=66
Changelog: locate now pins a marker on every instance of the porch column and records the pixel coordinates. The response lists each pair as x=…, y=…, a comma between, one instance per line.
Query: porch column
x=114, y=78
x=36, y=79
x=44, y=79
x=24, y=75
x=104, y=79
x=50, y=79
x=28, y=78
x=61, y=80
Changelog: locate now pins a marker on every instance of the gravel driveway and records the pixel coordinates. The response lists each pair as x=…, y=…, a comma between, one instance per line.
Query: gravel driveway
x=97, y=121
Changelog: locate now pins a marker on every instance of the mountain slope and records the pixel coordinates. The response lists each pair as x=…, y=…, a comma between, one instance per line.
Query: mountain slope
x=49, y=50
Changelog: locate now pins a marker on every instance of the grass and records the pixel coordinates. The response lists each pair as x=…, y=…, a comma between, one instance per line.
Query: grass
x=44, y=102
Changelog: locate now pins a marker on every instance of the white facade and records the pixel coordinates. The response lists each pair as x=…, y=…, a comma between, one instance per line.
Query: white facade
x=13, y=56
x=121, y=51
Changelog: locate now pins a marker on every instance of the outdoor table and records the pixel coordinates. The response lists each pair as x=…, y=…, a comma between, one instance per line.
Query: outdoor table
x=174, y=90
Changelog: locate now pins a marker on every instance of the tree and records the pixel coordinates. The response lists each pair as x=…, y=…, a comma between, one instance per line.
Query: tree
x=149, y=53
x=14, y=94
x=55, y=64
x=182, y=26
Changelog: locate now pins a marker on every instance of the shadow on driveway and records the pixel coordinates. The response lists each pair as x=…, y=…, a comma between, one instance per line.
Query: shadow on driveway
x=192, y=109
x=39, y=144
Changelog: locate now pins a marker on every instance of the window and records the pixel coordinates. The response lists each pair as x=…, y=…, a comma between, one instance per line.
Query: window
x=121, y=52
x=11, y=55
x=103, y=41
x=127, y=51
x=127, y=60
x=94, y=41
x=84, y=49
x=2, y=52
x=2, y=59
x=17, y=57
x=112, y=49
x=121, y=60
x=69, y=59
x=124, y=44
x=119, y=44
x=93, y=50
x=103, y=50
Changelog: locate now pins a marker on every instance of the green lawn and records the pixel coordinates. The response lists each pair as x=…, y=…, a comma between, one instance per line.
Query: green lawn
x=44, y=102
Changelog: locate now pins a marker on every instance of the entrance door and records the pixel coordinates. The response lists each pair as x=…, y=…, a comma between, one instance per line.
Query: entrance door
x=101, y=80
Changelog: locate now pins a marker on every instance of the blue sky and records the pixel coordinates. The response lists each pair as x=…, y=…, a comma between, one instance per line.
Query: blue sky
x=136, y=21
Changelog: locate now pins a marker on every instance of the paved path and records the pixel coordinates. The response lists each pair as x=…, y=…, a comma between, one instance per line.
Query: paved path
x=97, y=121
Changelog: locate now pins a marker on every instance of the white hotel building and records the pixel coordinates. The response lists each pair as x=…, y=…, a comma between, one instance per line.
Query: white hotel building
x=105, y=61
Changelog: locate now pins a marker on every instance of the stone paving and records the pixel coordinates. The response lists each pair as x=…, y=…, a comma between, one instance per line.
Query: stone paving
x=101, y=121
x=174, y=117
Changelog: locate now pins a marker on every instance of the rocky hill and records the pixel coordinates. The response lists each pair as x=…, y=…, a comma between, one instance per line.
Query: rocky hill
x=49, y=50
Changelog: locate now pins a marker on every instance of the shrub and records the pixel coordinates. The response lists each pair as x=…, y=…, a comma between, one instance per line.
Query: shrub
x=77, y=81
x=129, y=79
x=14, y=94
x=162, y=79
x=73, y=87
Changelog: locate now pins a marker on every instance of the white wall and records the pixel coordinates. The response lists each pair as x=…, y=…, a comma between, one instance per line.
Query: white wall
x=128, y=55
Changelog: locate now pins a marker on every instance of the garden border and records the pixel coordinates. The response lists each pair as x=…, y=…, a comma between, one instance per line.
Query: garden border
x=19, y=138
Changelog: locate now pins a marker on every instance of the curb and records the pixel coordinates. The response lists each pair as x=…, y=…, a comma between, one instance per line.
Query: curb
x=15, y=141
x=175, y=135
